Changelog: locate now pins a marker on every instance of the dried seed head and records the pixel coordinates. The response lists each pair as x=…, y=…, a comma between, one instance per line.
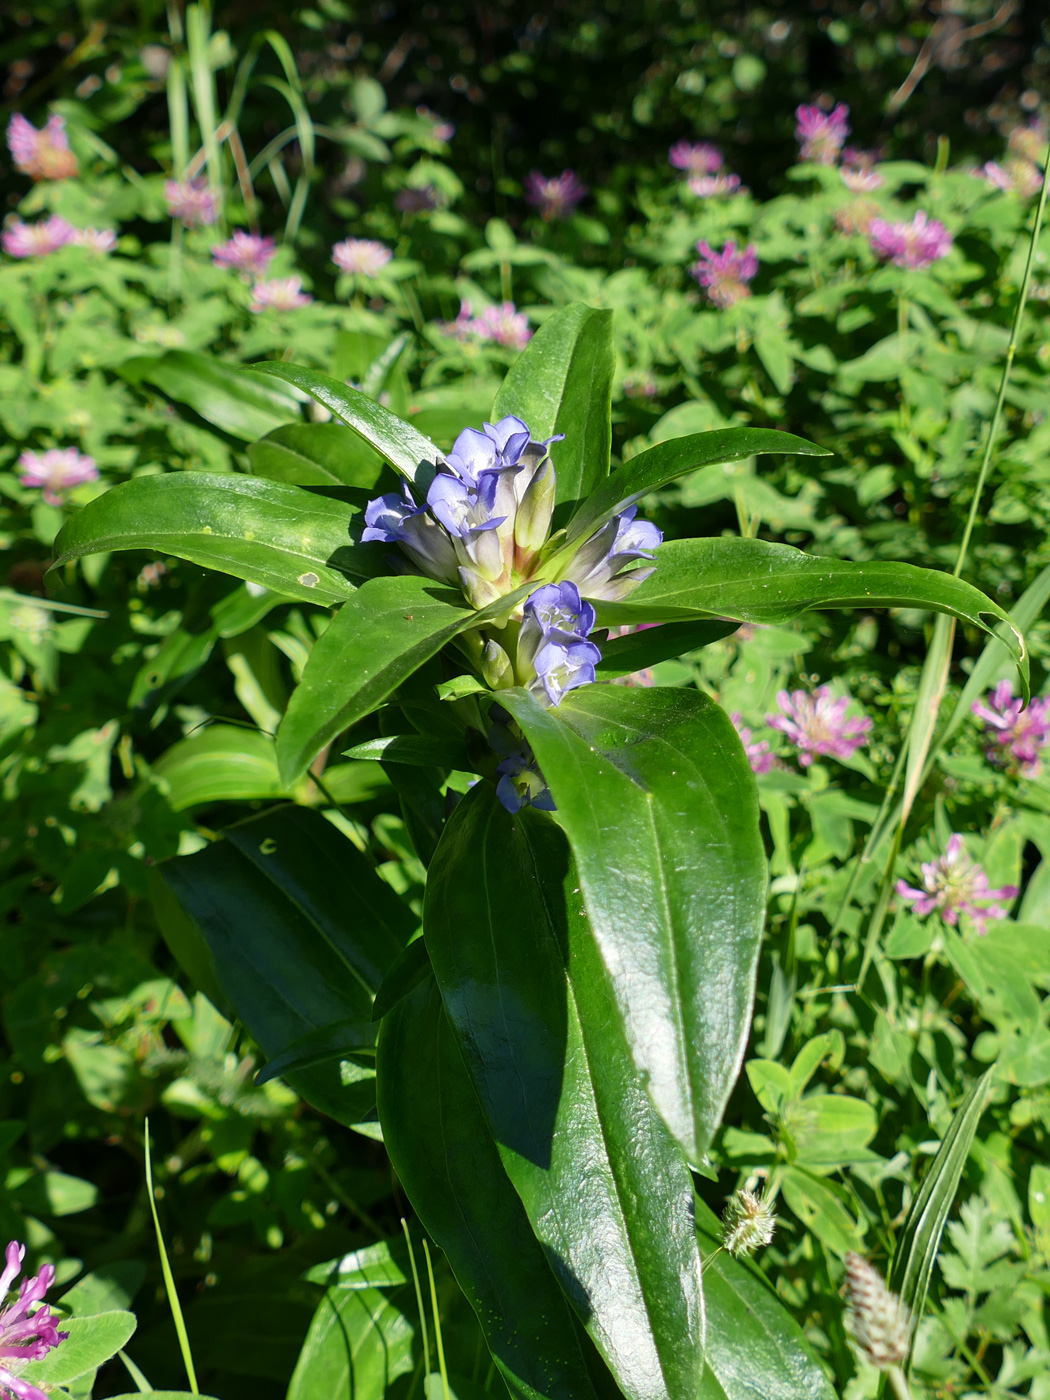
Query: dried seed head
x=747, y=1224
x=879, y=1321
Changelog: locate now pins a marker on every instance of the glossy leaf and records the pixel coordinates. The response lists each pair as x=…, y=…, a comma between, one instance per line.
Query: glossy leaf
x=384, y=634
x=605, y=1187
x=416, y=750
x=292, y=949
x=358, y=1344
x=755, y=1349
x=440, y=1147
x=404, y=447
x=91, y=1343
x=221, y=763
x=315, y=454
x=659, y=804
x=381, y=1265
x=755, y=581
x=225, y=395
x=408, y=971
x=562, y=383
x=282, y=537
x=668, y=460
x=622, y=655
x=318, y=1047
x=920, y=1235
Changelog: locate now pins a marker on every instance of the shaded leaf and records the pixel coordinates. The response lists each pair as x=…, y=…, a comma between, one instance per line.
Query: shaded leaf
x=315, y=454
x=223, y=394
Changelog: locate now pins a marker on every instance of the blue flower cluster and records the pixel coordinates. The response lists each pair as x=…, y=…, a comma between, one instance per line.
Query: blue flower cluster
x=554, y=655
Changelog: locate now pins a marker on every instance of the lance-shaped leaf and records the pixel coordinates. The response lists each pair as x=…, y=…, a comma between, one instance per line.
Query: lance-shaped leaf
x=606, y=1190
x=229, y=396
x=315, y=454
x=386, y=631
x=282, y=537
x=658, y=800
x=754, y=581
x=440, y=1147
x=622, y=655
x=562, y=383
x=667, y=460
x=403, y=446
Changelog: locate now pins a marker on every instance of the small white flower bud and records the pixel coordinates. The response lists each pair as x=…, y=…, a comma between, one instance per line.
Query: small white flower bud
x=878, y=1320
x=747, y=1224
x=496, y=667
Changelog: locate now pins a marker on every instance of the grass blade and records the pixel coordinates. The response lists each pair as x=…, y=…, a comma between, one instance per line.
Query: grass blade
x=169, y=1279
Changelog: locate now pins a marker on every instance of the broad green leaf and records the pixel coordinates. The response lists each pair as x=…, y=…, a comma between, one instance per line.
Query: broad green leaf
x=282, y=537
x=384, y=634
x=440, y=1147
x=417, y=750
x=755, y=1350
x=830, y=1129
x=292, y=948
x=225, y=395
x=754, y=581
x=315, y=454
x=658, y=800
x=562, y=383
x=91, y=1343
x=606, y=1190
x=318, y=1047
x=382, y=1265
x=622, y=655
x=358, y=1344
x=222, y=763
x=409, y=969
x=404, y=447
x=920, y=1235
x=667, y=460
x=818, y=1205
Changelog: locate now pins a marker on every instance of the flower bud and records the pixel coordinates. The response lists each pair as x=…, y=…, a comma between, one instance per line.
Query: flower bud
x=496, y=667
x=479, y=591
x=534, y=513
x=747, y=1224
x=879, y=1321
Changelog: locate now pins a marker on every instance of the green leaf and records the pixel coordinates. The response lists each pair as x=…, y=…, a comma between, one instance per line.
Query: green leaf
x=318, y=1047
x=636, y=651
x=225, y=395
x=440, y=1147
x=667, y=460
x=283, y=537
x=418, y=750
x=562, y=383
x=91, y=1343
x=658, y=800
x=382, y=1265
x=292, y=949
x=755, y=1350
x=407, y=972
x=358, y=1344
x=404, y=447
x=222, y=763
x=163, y=1395
x=386, y=631
x=920, y=1235
x=818, y=1204
x=755, y=581
x=527, y=995
x=315, y=454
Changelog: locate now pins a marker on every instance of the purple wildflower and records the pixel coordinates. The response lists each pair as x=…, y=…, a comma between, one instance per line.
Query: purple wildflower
x=99, y=240
x=706, y=186
x=701, y=158
x=57, y=470
x=600, y=566
x=1017, y=734
x=915, y=245
x=759, y=754
x=861, y=179
x=245, y=252
x=1019, y=176
x=725, y=275
x=398, y=518
x=362, y=257
x=504, y=325
x=421, y=199
x=24, y=1336
x=821, y=135
x=955, y=884
x=42, y=153
x=555, y=196
x=280, y=294
x=22, y=240
x=191, y=201
x=818, y=724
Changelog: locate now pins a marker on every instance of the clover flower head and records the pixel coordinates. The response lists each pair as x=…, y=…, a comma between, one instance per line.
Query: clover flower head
x=99, y=240
x=696, y=158
x=725, y=275
x=821, y=135
x=748, y=1224
x=994, y=174
x=759, y=754
x=1018, y=176
x=555, y=196
x=280, y=294
x=955, y=884
x=245, y=252
x=708, y=186
x=418, y=199
x=362, y=257
x=817, y=724
x=22, y=240
x=190, y=201
x=1017, y=735
x=57, y=471
x=42, y=153
x=856, y=216
x=860, y=179
x=914, y=244
x=24, y=1335
x=503, y=325
x=877, y=1319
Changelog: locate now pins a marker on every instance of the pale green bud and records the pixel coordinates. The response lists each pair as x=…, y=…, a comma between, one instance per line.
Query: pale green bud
x=533, y=521
x=496, y=667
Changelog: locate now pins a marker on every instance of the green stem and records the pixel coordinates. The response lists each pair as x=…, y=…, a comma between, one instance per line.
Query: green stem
x=898, y=1384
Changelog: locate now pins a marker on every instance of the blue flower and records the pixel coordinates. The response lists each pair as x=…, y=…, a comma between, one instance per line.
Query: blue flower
x=397, y=519
x=562, y=664
x=601, y=561
x=554, y=655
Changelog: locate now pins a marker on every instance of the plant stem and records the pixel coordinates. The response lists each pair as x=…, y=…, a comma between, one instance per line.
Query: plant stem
x=898, y=1384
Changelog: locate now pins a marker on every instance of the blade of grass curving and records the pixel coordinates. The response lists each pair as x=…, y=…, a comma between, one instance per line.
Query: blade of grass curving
x=169, y=1279
x=142, y=1385
x=419, y=1298
x=923, y=722
x=437, y=1324
x=202, y=82
x=304, y=131
x=920, y=1236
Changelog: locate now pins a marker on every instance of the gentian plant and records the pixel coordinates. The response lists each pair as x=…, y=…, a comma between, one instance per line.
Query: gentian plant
x=551, y=1052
